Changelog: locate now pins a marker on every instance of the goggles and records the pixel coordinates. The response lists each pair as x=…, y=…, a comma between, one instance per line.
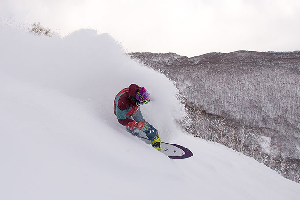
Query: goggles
x=144, y=101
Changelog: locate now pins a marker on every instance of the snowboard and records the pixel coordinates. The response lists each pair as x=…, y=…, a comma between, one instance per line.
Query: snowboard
x=173, y=151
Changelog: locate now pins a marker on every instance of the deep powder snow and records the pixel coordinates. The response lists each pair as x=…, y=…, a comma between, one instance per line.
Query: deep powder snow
x=60, y=139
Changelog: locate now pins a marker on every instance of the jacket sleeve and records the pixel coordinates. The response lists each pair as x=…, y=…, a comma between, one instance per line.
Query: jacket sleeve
x=132, y=111
x=130, y=123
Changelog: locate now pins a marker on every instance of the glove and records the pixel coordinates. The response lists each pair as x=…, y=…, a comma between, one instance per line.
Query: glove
x=151, y=132
x=151, y=129
x=144, y=126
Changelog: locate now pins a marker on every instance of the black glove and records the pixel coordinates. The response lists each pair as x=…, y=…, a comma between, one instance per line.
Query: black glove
x=151, y=130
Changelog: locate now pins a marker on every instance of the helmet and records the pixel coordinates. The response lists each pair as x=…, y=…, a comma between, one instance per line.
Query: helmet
x=142, y=96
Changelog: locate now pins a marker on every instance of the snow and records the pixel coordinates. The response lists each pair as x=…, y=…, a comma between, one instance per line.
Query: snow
x=60, y=139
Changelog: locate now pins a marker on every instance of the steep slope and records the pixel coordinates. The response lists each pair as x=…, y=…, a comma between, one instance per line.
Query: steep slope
x=246, y=100
x=60, y=140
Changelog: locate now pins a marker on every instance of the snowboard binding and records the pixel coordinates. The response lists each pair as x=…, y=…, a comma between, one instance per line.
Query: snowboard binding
x=156, y=142
x=151, y=132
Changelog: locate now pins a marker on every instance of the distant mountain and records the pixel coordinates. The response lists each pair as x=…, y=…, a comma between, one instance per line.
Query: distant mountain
x=246, y=100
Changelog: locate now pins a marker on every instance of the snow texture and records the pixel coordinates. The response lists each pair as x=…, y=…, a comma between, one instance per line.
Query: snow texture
x=60, y=139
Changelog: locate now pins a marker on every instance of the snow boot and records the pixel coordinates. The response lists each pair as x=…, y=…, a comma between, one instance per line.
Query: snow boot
x=156, y=142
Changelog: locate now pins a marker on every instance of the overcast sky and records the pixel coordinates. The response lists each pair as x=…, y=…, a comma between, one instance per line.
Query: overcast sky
x=185, y=27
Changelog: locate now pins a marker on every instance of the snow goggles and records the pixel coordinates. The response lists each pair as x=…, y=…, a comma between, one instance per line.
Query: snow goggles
x=142, y=99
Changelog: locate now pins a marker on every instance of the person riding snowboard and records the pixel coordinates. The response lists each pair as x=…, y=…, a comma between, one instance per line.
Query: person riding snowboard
x=126, y=108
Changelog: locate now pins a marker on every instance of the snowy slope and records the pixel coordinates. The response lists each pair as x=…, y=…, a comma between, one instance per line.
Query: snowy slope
x=60, y=139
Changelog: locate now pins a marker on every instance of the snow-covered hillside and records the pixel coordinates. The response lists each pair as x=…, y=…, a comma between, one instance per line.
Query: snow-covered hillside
x=246, y=100
x=60, y=139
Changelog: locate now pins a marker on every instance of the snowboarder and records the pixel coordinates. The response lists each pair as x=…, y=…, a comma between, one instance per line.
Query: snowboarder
x=126, y=108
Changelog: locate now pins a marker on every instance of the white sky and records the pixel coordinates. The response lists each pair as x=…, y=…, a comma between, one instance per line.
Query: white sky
x=186, y=27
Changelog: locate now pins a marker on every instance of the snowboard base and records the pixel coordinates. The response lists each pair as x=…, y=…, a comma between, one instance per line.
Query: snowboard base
x=173, y=151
